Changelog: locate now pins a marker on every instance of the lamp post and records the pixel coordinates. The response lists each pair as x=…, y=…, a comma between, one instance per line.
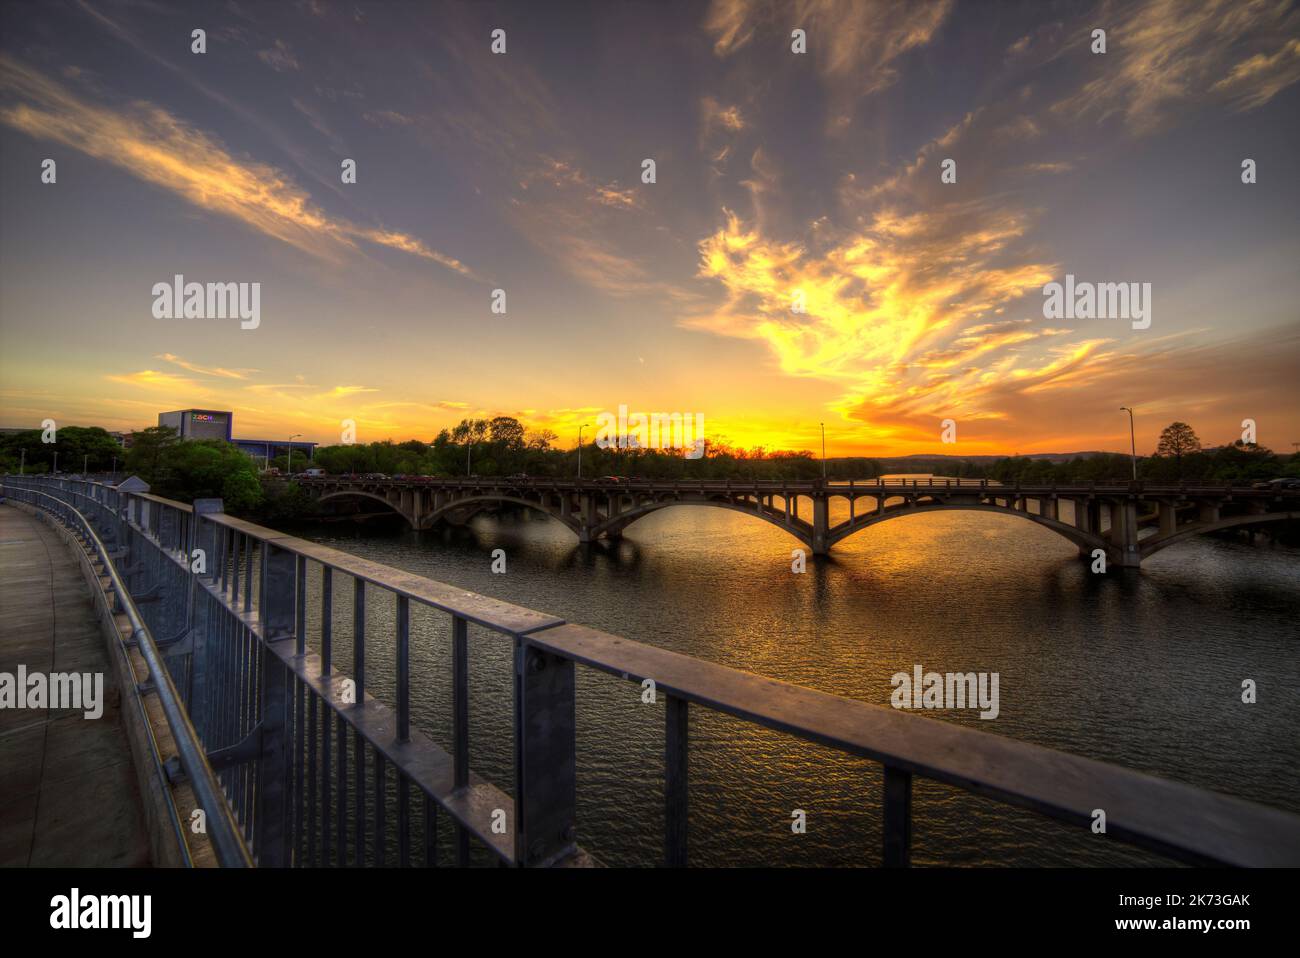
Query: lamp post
x=1132, y=442
x=22, y=461
x=580, y=428
x=114, y=474
x=55, y=470
x=288, y=466
x=85, y=462
x=823, y=425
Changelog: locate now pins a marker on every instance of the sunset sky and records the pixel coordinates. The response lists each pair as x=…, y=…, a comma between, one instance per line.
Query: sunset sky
x=776, y=172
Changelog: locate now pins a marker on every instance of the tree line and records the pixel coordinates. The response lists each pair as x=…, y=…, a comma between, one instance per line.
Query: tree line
x=191, y=469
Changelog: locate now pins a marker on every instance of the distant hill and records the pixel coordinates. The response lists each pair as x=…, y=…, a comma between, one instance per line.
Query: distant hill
x=900, y=462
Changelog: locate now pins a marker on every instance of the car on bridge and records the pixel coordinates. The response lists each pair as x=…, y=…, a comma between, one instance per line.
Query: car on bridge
x=1286, y=482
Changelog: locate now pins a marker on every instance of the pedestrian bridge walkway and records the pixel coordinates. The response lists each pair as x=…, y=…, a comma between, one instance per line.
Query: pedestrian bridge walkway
x=68, y=793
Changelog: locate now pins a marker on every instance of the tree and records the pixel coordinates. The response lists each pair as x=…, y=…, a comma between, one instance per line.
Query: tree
x=147, y=455
x=1178, y=440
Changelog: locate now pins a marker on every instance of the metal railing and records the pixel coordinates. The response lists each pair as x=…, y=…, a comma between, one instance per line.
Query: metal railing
x=277, y=715
x=227, y=842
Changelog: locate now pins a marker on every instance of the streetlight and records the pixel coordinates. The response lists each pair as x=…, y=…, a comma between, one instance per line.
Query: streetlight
x=1132, y=442
x=580, y=428
x=22, y=461
x=288, y=466
x=115, y=467
x=823, y=425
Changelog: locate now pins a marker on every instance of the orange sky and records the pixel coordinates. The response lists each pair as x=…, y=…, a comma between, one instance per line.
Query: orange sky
x=799, y=259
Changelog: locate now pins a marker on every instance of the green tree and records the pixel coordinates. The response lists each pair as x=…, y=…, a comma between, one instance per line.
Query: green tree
x=147, y=457
x=1178, y=440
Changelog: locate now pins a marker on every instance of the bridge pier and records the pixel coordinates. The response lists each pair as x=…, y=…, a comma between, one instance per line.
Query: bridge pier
x=1168, y=518
x=821, y=526
x=1124, y=537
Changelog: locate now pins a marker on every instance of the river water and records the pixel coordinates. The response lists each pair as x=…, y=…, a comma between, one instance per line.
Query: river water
x=1140, y=669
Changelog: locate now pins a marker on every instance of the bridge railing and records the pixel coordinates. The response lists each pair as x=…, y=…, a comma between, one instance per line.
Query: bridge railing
x=227, y=842
x=319, y=771
x=809, y=486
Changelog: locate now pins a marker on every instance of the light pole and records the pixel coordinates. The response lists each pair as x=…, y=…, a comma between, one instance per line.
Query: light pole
x=22, y=461
x=823, y=450
x=469, y=454
x=580, y=428
x=288, y=466
x=55, y=470
x=114, y=474
x=1132, y=442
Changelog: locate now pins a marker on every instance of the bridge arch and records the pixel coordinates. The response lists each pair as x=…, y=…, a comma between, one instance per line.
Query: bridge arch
x=1153, y=544
x=798, y=528
x=361, y=494
x=429, y=518
x=1084, y=540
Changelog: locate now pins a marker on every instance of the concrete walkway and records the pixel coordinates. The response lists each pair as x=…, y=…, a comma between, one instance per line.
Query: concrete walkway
x=68, y=793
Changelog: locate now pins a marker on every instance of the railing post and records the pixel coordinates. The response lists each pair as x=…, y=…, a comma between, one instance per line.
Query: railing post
x=897, y=818
x=676, y=767
x=545, y=756
x=202, y=618
x=277, y=620
x=460, y=722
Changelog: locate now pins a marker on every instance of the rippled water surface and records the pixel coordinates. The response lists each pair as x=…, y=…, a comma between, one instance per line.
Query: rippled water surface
x=1143, y=670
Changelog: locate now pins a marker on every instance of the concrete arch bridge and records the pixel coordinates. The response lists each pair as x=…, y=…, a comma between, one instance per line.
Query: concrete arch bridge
x=1095, y=516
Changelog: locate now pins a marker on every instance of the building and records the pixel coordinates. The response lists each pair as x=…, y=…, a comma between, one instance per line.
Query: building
x=199, y=423
x=219, y=424
x=265, y=450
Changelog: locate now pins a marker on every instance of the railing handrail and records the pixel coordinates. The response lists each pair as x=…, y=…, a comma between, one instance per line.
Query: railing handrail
x=1179, y=820
x=223, y=831
x=1054, y=783
x=840, y=486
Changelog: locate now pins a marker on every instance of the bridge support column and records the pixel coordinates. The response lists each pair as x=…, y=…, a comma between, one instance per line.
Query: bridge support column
x=1048, y=508
x=587, y=511
x=1209, y=512
x=1168, y=518
x=821, y=526
x=1080, y=507
x=1124, y=533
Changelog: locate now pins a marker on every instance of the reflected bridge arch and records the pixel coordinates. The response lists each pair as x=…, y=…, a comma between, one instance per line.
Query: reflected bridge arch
x=800, y=529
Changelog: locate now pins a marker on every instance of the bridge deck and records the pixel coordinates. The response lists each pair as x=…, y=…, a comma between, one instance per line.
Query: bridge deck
x=68, y=793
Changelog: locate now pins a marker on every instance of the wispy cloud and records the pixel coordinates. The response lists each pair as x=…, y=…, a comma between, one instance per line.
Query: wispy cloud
x=205, y=370
x=1167, y=55
x=857, y=41
x=279, y=57
x=161, y=149
x=154, y=379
